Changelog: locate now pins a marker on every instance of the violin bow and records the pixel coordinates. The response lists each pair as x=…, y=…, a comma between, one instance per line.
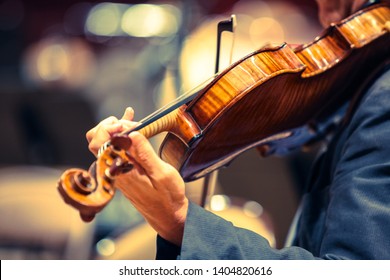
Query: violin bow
x=210, y=180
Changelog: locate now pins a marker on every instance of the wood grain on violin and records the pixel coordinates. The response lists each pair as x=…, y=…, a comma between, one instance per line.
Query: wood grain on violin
x=259, y=101
x=274, y=90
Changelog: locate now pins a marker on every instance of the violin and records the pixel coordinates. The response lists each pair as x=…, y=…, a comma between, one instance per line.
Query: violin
x=262, y=100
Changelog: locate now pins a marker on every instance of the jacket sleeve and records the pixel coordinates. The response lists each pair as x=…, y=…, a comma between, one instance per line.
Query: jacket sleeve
x=209, y=237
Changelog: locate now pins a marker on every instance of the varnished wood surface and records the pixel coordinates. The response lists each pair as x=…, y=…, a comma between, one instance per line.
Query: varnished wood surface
x=249, y=73
x=277, y=89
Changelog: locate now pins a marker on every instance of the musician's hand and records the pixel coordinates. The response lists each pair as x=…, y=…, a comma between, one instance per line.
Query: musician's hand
x=153, y=186
x=107, y=128
x=156, y=189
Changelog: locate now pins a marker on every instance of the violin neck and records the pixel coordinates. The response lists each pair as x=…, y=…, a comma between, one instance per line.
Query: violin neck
x=163, y=124
x=165, y=118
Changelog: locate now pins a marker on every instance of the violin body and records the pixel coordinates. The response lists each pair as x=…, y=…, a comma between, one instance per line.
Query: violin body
x=266, y=100
x=263, y=99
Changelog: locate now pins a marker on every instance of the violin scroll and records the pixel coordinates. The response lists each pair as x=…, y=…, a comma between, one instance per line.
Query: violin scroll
x=90, y=191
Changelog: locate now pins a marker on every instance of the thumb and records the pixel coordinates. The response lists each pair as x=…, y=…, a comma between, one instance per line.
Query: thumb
x=128, y=114
x=144, y=154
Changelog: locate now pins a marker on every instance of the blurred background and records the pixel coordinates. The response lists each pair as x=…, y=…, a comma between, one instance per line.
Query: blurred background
x=66, y=65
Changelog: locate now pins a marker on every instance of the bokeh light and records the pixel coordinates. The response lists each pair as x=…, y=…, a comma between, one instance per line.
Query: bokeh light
x=140, y=20
x=105, y=19
x=145, y=20
x=59, y=61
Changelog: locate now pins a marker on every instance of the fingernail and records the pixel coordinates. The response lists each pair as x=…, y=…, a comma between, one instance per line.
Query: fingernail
x=129, y=110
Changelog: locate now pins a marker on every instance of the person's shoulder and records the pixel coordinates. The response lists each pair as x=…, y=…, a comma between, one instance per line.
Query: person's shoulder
x=376, y=98
x=380, y=85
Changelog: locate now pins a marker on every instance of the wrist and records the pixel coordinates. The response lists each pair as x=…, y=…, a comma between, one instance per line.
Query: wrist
x=173, y=229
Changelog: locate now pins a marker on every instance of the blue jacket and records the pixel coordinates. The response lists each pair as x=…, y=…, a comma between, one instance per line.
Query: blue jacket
x=345, y=211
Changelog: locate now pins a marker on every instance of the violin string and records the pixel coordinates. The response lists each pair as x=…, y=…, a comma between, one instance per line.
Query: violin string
x=174, y=104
